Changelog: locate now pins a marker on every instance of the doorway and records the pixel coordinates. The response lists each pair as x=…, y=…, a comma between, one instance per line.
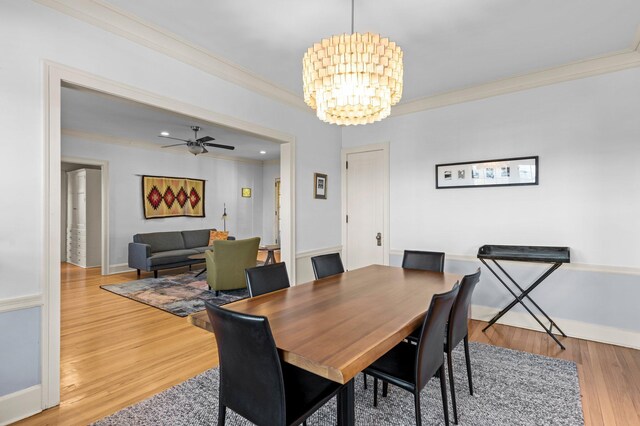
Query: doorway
x=55, y=77
x=365, y=201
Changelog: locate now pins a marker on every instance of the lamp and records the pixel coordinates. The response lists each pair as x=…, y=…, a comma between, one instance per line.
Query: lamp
x=352, y=79
x=224, y=217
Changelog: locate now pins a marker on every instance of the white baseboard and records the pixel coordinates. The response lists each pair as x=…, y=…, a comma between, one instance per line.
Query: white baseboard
x=573, y=328
x=119, y=268
x=20, y=405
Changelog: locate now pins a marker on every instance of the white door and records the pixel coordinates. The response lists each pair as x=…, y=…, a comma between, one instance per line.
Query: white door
x=365, y=188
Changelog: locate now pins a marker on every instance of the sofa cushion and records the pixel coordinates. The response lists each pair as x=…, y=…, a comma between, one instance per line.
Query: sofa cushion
x=161, y=241
x=203, y=249
x=196, y=238
x=170, y=256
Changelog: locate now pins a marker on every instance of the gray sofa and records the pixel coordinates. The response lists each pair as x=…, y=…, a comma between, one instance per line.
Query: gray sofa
x=165, y=250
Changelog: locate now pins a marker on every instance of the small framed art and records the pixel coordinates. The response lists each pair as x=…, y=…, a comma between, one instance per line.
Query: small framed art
x=246, y=192
x=320, y=186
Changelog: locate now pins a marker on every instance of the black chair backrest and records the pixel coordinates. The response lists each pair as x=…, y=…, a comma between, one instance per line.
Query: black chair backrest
x=459, y=318
x=267, y=278
x=425, y=260
x=251, y=382
x=429, y=356
x=326, y=265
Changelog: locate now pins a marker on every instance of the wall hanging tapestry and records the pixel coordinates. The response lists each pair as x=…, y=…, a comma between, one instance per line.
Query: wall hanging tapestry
x=172, y=196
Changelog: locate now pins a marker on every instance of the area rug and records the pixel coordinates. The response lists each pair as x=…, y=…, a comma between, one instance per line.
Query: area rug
x=510, y=388
x=181, y=294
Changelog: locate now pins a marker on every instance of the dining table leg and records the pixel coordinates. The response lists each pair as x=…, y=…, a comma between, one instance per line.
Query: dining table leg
x=346, y=405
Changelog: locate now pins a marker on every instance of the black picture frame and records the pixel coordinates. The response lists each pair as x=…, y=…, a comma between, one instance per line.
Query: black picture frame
x=515, y=171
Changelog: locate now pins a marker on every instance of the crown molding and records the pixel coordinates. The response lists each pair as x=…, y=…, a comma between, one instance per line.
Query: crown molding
x=131, y=27
x=117, y=21
x=614, y=62
x=137, y=143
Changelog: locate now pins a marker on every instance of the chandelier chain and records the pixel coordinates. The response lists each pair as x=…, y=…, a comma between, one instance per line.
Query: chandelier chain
x=352, y=14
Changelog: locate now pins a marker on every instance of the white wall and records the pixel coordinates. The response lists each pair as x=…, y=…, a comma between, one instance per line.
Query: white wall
x=224, y=180
x=270, y=172
x=587, y=134
x=31, y=33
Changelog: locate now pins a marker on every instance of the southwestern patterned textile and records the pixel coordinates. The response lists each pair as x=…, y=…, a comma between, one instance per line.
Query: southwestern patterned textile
x=172, y=196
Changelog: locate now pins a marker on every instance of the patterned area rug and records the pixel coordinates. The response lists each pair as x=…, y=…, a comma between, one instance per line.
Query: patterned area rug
x=181, y=294
x=510, y=388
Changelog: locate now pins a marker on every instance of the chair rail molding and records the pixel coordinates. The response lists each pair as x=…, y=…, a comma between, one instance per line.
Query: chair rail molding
x=21, y=302
x=304, y=271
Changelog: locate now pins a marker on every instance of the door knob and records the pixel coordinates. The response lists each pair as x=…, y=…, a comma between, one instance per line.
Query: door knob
x=379, y=239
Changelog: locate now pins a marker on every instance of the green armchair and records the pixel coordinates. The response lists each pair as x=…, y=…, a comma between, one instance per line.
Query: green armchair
x=227, y=262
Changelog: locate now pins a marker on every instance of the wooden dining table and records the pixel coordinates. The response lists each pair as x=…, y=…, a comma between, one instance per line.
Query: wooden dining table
x=337, y=326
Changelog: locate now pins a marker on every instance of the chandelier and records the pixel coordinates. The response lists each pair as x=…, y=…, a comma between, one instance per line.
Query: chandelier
x=352, y=78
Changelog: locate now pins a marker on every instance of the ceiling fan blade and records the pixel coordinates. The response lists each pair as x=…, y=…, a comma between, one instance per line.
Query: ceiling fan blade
x=205, y=139
x=204, y=150
x=169, y=137
x=175, y=144
x=217, y=145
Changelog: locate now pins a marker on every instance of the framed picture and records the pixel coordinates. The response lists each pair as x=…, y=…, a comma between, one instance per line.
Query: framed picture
x=502, y=172
x=246, y=192
x=320, y=186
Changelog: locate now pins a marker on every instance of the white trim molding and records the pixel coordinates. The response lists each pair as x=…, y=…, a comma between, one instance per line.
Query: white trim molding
x=133, y=28
x=20, y=404
x=55, y=75
x=137, y=143
x=115, y=20
x=119, y=268
x=614, y=62
x=21, y=302
x=573, y=328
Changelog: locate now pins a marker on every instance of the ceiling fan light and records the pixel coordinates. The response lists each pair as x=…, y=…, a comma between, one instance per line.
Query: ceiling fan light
x=195, y=149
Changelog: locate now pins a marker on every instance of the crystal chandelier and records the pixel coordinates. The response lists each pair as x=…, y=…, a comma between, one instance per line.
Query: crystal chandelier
x=352, y=78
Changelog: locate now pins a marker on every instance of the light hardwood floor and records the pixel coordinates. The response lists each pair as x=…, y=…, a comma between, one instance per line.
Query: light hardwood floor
x=116, y=352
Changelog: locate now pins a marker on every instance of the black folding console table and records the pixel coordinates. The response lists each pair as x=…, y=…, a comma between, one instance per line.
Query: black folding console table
x=554, y=255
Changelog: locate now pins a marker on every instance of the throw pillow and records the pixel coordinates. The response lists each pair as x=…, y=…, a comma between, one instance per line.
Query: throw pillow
x=217, y=235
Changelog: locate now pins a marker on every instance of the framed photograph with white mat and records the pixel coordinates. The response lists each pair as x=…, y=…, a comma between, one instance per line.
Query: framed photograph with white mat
x=502, y=172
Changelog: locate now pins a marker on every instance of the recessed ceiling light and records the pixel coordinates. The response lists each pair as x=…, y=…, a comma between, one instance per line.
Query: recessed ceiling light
x=263, y=152
x=164, y=133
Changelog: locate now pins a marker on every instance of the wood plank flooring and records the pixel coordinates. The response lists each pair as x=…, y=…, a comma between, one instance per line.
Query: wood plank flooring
x=116, y=352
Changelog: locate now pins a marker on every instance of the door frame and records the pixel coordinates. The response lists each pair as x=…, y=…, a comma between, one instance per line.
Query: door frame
x=104, y=205
x=384, y=147
x=55, y=75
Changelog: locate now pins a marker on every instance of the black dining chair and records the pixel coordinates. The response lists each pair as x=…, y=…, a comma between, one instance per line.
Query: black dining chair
x=267, y=278
x=424, y=260
x=458, y=331
x=254, y=382
x=326, y=265
x=410, y=367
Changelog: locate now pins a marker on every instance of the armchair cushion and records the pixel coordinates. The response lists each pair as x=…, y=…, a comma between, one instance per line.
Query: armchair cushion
x=227, y=262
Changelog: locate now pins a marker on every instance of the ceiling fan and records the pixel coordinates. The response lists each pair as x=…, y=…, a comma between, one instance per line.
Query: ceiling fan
x=197, y=146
